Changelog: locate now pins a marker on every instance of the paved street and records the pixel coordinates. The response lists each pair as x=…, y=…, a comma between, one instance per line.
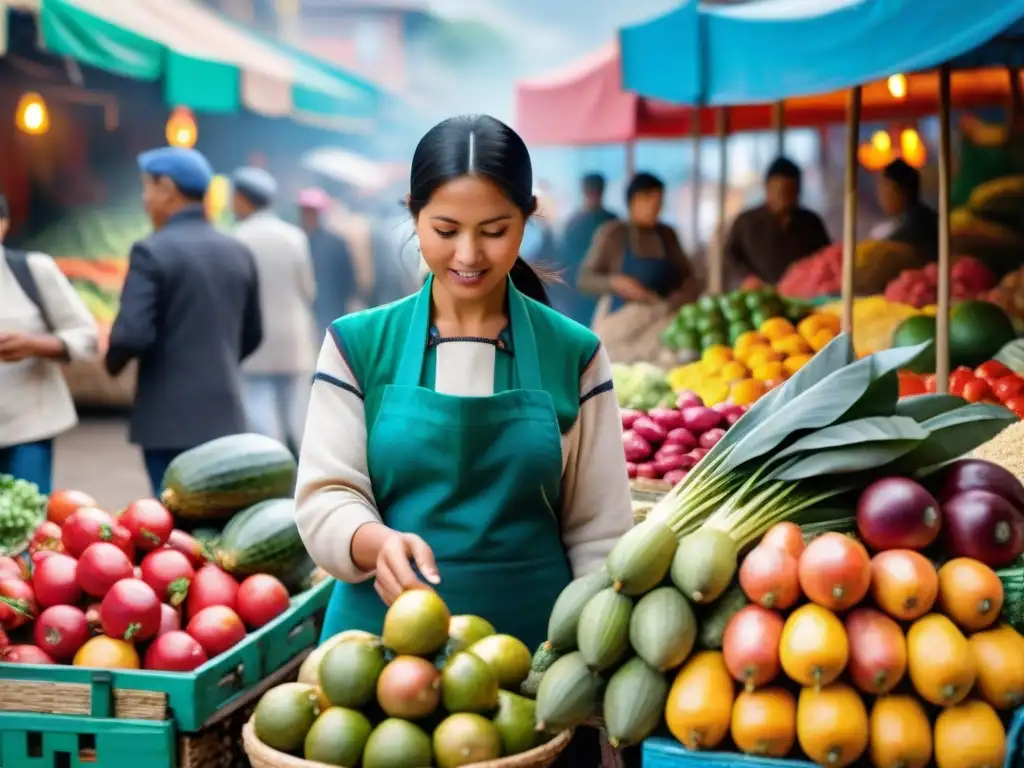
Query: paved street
x=96, y=458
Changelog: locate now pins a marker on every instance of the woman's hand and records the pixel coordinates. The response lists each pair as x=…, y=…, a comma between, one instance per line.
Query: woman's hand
x=394, y=570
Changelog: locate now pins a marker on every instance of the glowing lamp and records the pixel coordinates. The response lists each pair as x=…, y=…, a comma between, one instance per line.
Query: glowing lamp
x=32, y=116
x=912, y=149
x=897, y=85
x=181, y=130
x=217, y=195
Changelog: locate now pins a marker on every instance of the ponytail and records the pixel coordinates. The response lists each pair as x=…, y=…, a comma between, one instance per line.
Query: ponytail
x=528, y=281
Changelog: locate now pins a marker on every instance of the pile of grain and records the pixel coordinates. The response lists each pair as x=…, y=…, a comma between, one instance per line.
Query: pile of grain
x=1005, y=449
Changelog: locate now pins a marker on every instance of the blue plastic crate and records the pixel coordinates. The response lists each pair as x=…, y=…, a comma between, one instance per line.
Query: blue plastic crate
x=1015, y=741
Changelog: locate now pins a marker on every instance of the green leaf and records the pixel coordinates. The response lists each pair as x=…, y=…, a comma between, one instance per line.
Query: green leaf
x=834, y=356
x=847, y=459
x=923, y=407
x=852, y=433
x=821, y=405
x=954, y=434
x=884, y=392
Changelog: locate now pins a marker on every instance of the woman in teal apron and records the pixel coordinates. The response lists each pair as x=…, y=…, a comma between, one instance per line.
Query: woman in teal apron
x=464, y=439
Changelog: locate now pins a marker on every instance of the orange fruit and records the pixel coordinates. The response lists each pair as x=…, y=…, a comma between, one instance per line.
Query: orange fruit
x=775, y=328
x=769, y=370
x=794, y=363
x=792, y=344
x=746, y=392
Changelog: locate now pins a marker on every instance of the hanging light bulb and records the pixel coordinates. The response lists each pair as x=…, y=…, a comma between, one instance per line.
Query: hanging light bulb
x=897, y=86
x=877, y=153
x=181, y=130
x=912, y=148
x=882, y=141
x=32, y=116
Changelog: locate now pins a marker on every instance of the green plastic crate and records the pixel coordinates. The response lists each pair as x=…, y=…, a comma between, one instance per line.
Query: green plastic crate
x=194, y=698
x=59, y=741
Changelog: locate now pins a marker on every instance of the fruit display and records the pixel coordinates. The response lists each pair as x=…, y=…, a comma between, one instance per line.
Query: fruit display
x=1009, y=296
x=990, y=226
x=130, y=591
x=432, y=689
x=666, y=443
x=641, y=386
x=876, y=263
x=702, y=610
x=874, y=320
x=990, y=382
x=978, y=330
x=969, y=279
x=22, y=509
x=721, y=320
x=756, y=362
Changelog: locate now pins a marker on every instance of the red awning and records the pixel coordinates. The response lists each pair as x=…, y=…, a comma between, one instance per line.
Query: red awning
x=585, y=104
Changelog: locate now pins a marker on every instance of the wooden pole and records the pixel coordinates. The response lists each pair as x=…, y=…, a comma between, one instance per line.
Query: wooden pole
x=630, y=160
x=696, y=180
x=779, y=126
x=716, y=268
x=850, y=204
x=942, y=316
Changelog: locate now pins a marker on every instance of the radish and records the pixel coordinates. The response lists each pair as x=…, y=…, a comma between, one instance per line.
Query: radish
x=55, y=580
x=648, y=471
x=170, y=620
x=100, y=567
x=169, y=573
x=712, y=436
x=61, y=631
x=130, y=611
x=149, y=522
x=650, y=430
x=217, y=628
x=27, y=654
x=688, y=399
x=700, y=419
x=676, y=476
x=42, y=554
x=682, y=436
x=121, y=538
x=668, y=464
x=629, y=415
x=261, y=598
x=697, y=454
x=636, y=448
x=9, y=568
x=17, y=603
x=211, y=586
x=175, y=652
x=667, y=418
x=189, y=546
x=630, y=469
x=84, y=527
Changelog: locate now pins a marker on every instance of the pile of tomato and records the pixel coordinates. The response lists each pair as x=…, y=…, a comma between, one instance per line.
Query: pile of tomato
x=990, y=382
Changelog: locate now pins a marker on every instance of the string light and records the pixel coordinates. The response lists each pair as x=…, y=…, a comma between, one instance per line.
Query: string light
x=181, y=130
x=32, y=116
x=897, y=86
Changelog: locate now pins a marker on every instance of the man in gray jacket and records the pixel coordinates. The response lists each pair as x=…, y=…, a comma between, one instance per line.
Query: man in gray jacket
x=190, y=313
x=278, y=376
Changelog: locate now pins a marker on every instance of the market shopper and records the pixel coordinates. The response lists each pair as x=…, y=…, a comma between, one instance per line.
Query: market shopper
x=464, y=439
x=277, y=374
x=190, y=313
x=43, y=323
x=765, y=240
x=641, y=273
x=910, y=220
x=579, y=234
x=332, y=260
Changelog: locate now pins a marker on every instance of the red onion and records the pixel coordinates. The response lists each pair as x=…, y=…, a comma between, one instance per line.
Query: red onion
x=682, y=436
x=712, y=436
x=650, y=430
x=983, y=526
x=636, y=448
x=687, y=399
x=629, y=415
x=700, y=419
x=667, y=418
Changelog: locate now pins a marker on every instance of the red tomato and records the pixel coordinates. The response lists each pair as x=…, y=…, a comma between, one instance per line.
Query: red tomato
x=992, y=369
x=1016, y=404
x=976, y=391
x=1008, y=387
x=958, y=379
x=911, y=384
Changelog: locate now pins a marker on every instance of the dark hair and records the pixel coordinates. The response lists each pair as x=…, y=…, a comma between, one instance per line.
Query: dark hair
x=904, y=176
x=478, y=145
x=593, y=184
x=5, y=209
x=643, y=182
x=784, y=168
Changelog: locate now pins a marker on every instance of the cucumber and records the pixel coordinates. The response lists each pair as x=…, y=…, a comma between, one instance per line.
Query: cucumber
x=223, y=476
x=264, y=539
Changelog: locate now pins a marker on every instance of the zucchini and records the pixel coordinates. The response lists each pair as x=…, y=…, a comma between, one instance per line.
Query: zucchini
x=218, y=478
x=568, y=695
x=634, y=702
x=641, y=558
x=663, y=629
x=603, y=632
x=264, y=539
x=565, y=615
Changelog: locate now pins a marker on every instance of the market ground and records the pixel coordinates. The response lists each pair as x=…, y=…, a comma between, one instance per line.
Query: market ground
x=96, y=458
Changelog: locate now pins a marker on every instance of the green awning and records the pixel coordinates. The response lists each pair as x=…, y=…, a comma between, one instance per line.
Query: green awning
x=205, y=62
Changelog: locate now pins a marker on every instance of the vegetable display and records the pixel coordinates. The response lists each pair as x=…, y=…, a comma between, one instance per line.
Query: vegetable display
x=641, y=386
x=432, y=689
x=22, y=509
x=978, y=330
x=666, y=619
x=969, y=279
x=990, y=382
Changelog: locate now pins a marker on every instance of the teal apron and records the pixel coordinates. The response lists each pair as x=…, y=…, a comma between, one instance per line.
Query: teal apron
x=479, y=479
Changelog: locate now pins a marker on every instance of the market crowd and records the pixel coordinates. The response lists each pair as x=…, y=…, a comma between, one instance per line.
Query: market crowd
x=225, y=327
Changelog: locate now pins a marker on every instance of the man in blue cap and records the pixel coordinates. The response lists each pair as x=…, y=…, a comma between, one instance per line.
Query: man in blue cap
x=190, y=314
x=277, y=376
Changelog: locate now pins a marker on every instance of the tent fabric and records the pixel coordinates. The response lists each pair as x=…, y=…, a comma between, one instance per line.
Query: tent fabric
x=584, y=103
x=205, y=62
x=770, y=50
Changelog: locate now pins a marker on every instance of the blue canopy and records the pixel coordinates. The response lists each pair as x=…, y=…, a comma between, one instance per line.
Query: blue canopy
x=769, y=50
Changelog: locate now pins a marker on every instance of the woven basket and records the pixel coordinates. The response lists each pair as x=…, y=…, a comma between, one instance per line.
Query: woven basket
x=262, y=756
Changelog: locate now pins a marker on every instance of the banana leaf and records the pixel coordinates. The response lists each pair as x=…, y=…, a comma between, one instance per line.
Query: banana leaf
x=884, y=393
x=923, y=407
x=954, y=434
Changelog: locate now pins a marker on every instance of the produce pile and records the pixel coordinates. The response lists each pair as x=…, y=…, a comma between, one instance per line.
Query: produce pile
x=874, y=321
x=666, y=443
x=131, y=591
x=22, y=509
x=641, y=385
x=432, y=689
x=1009, y=296
x=876, y=263
x=978, y=330
x=719, y=320
x=757, y=361
x=969, y=279
x=990, y=382
x=991, y=226
x=822, y=437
